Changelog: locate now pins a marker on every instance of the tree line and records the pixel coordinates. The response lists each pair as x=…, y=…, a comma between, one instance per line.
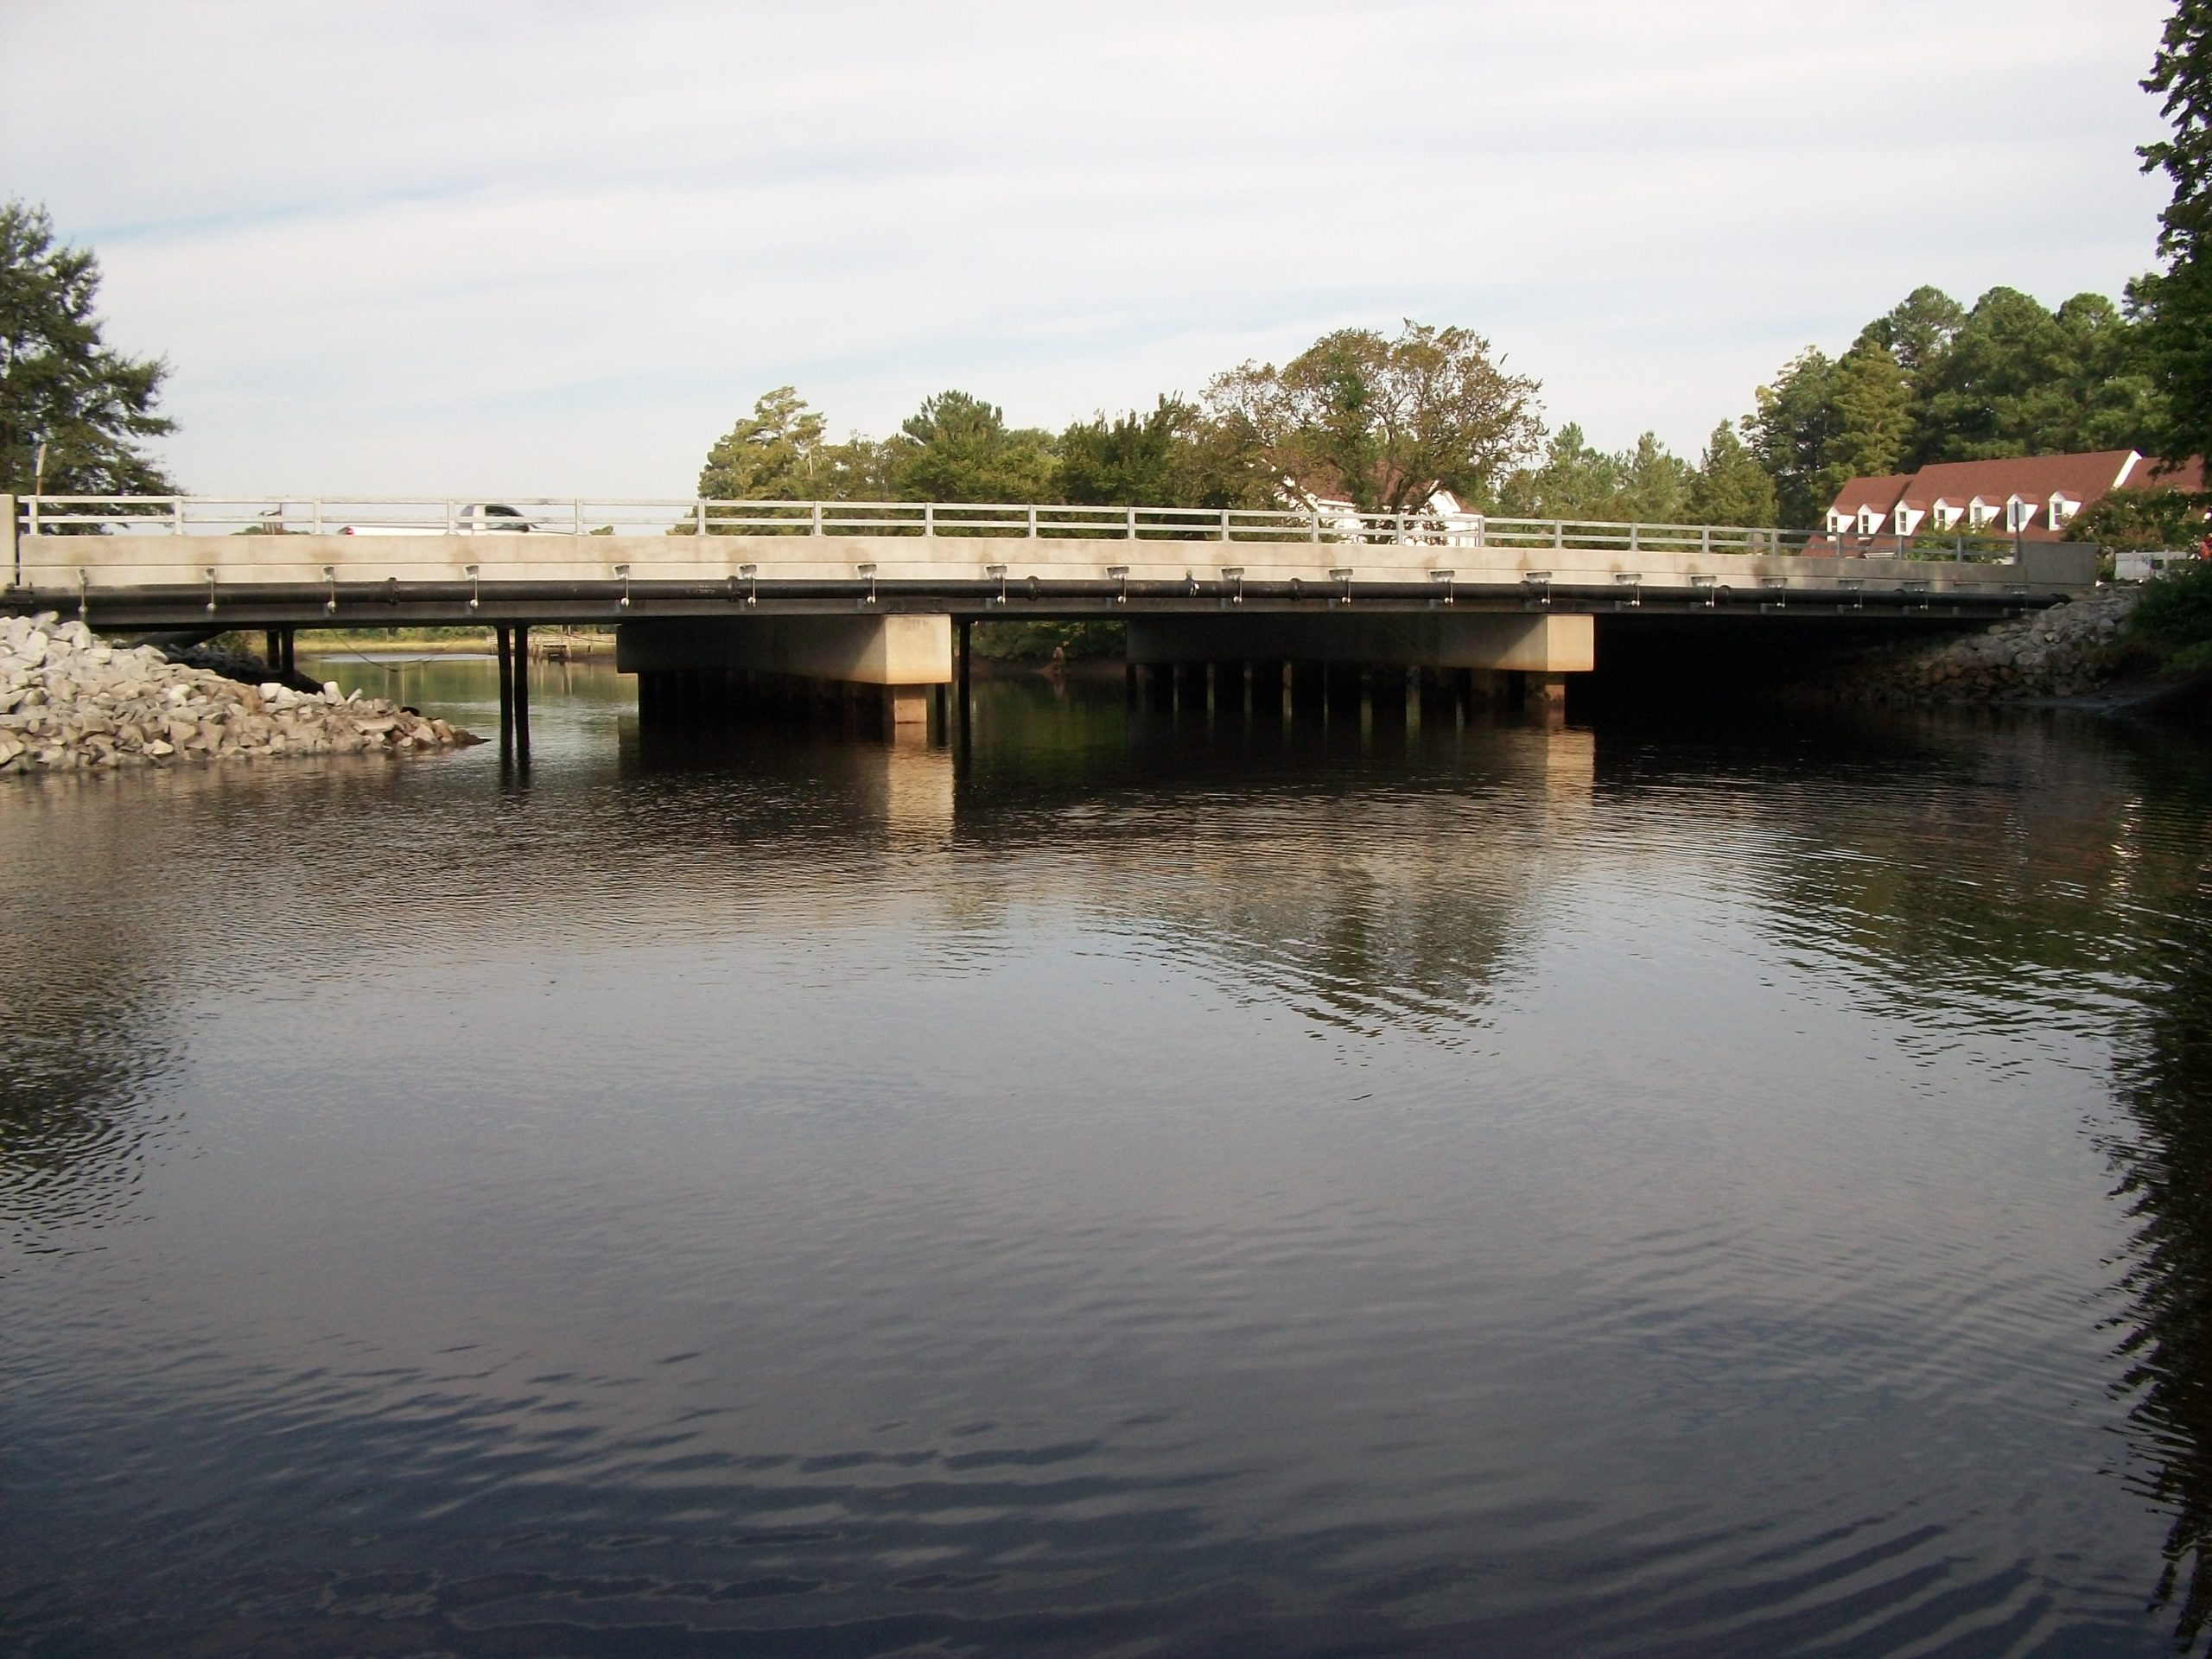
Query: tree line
x=1386, y=422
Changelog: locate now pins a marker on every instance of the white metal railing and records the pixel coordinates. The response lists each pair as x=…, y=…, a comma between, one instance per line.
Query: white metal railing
x=206, y=515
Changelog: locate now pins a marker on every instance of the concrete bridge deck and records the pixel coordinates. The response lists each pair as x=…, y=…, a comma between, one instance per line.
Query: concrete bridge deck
x=879, y=595
x=172, y=560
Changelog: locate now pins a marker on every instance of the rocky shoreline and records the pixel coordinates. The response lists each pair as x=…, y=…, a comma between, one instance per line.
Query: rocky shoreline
x=2070, y=651
x=70, y=702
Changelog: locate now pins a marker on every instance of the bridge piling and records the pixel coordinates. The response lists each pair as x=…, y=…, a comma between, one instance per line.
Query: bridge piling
x=504, y=645
x=521, y=672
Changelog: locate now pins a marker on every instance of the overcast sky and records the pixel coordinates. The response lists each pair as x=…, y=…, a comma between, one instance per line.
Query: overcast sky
x=556, y=248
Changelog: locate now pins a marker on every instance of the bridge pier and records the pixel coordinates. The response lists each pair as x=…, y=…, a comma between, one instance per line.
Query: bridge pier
x=880, y=671
x=1339, y=662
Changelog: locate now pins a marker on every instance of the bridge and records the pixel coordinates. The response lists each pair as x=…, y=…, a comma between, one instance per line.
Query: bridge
x=710, y=599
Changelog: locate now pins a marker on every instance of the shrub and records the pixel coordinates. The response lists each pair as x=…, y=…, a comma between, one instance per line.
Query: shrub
x=2174, y=615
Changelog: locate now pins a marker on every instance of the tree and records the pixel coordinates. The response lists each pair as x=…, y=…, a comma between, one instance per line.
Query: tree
x=2017, y=379
x=58, y=383
x=1134, y=461
x=1173, y=456
x=1642, y=485
x=1790, y=433
x=958, y=448
x=1918, y=329
x=2174, y=307
x=1730, y=487
x=1873, y=416
x=767, y=456
x=1384, y=424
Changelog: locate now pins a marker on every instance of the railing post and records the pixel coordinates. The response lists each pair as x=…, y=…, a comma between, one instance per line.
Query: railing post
x=929, y=517
x=176, y=514
x=1398, y=531
x=1705, y=538
x=578, y=507
x=1133, y=523
x=14, y=546
x=315, y=508
x=1633, y=545
x=700, y=515
x=1224, y=524
x=1314, y=524
x=1558, y=532
x=451, y=525
x=1032, y=524
x=816, y=529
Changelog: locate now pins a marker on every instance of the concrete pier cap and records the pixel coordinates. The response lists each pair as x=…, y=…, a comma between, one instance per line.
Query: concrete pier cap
x=893, y=660
x=1542, y=642
x=887, y=651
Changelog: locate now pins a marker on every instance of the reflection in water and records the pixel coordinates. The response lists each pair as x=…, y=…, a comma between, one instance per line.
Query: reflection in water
x=2163, y=1073
x=1153, y=1186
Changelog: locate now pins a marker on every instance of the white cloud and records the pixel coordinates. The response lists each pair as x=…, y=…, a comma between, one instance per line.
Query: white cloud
x=545, y=248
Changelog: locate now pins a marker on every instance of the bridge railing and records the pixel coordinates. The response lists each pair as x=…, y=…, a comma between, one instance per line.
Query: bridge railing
x=212, y=515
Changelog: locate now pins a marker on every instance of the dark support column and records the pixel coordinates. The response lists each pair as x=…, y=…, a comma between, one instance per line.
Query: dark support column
x=1389, y=694
x=522, y=693
x=1308, y=686
x=272, y=651
x=1344, y=688
x=1191, y=688
x=1131, y=674
x=1160, y=686
x=507, y=688
x=1228, y=690
x=963, y=651
x=1267, y=690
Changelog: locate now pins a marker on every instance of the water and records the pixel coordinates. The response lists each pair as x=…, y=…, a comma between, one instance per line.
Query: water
x=1645, y=1189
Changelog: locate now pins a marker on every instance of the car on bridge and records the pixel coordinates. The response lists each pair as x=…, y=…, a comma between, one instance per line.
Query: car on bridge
x=478, y=519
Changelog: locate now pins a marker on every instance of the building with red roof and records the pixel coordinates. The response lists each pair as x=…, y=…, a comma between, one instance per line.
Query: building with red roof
x=2026, y=498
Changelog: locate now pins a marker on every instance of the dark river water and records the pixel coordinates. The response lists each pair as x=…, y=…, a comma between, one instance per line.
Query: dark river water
x=1666, y=1186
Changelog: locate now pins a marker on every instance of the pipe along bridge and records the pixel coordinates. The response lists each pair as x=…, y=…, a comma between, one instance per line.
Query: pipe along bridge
x=872, y=602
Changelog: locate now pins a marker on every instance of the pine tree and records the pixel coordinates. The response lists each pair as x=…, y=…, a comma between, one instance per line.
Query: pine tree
x=58, y=384
x=2175, y=305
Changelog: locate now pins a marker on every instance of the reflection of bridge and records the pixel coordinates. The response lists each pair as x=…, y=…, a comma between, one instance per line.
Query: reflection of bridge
x=866, y=594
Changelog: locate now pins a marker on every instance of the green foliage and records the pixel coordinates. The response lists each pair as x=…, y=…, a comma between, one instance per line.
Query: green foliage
x=2017, y=379
x=1932, y=381
x=1382, y=422
x=958, y=448
x=778, y=454
x=1034, y=642
x=1642, y=485
x=1873, y=413
x=2173, y=307
x=2174, y=615
x=1136, y=460
x=1917, y=330
x=59, y=383
x=1730, y=487
x=2145, y=519
x=1791, y=431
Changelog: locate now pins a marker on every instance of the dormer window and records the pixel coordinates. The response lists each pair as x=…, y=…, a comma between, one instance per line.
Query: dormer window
x=2019, y=514
x=1869, y=521
x=2062, y=510
x=1905, y=519
x=1837, y=522
x=1979, y=513
x=1946, y=515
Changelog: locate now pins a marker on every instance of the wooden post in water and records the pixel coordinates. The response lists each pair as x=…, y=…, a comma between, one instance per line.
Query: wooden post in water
x=506, y=689
x=521, y=671
x=963, y=648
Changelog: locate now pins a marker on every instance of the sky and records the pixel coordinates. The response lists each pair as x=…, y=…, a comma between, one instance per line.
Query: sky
x=555, y=249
